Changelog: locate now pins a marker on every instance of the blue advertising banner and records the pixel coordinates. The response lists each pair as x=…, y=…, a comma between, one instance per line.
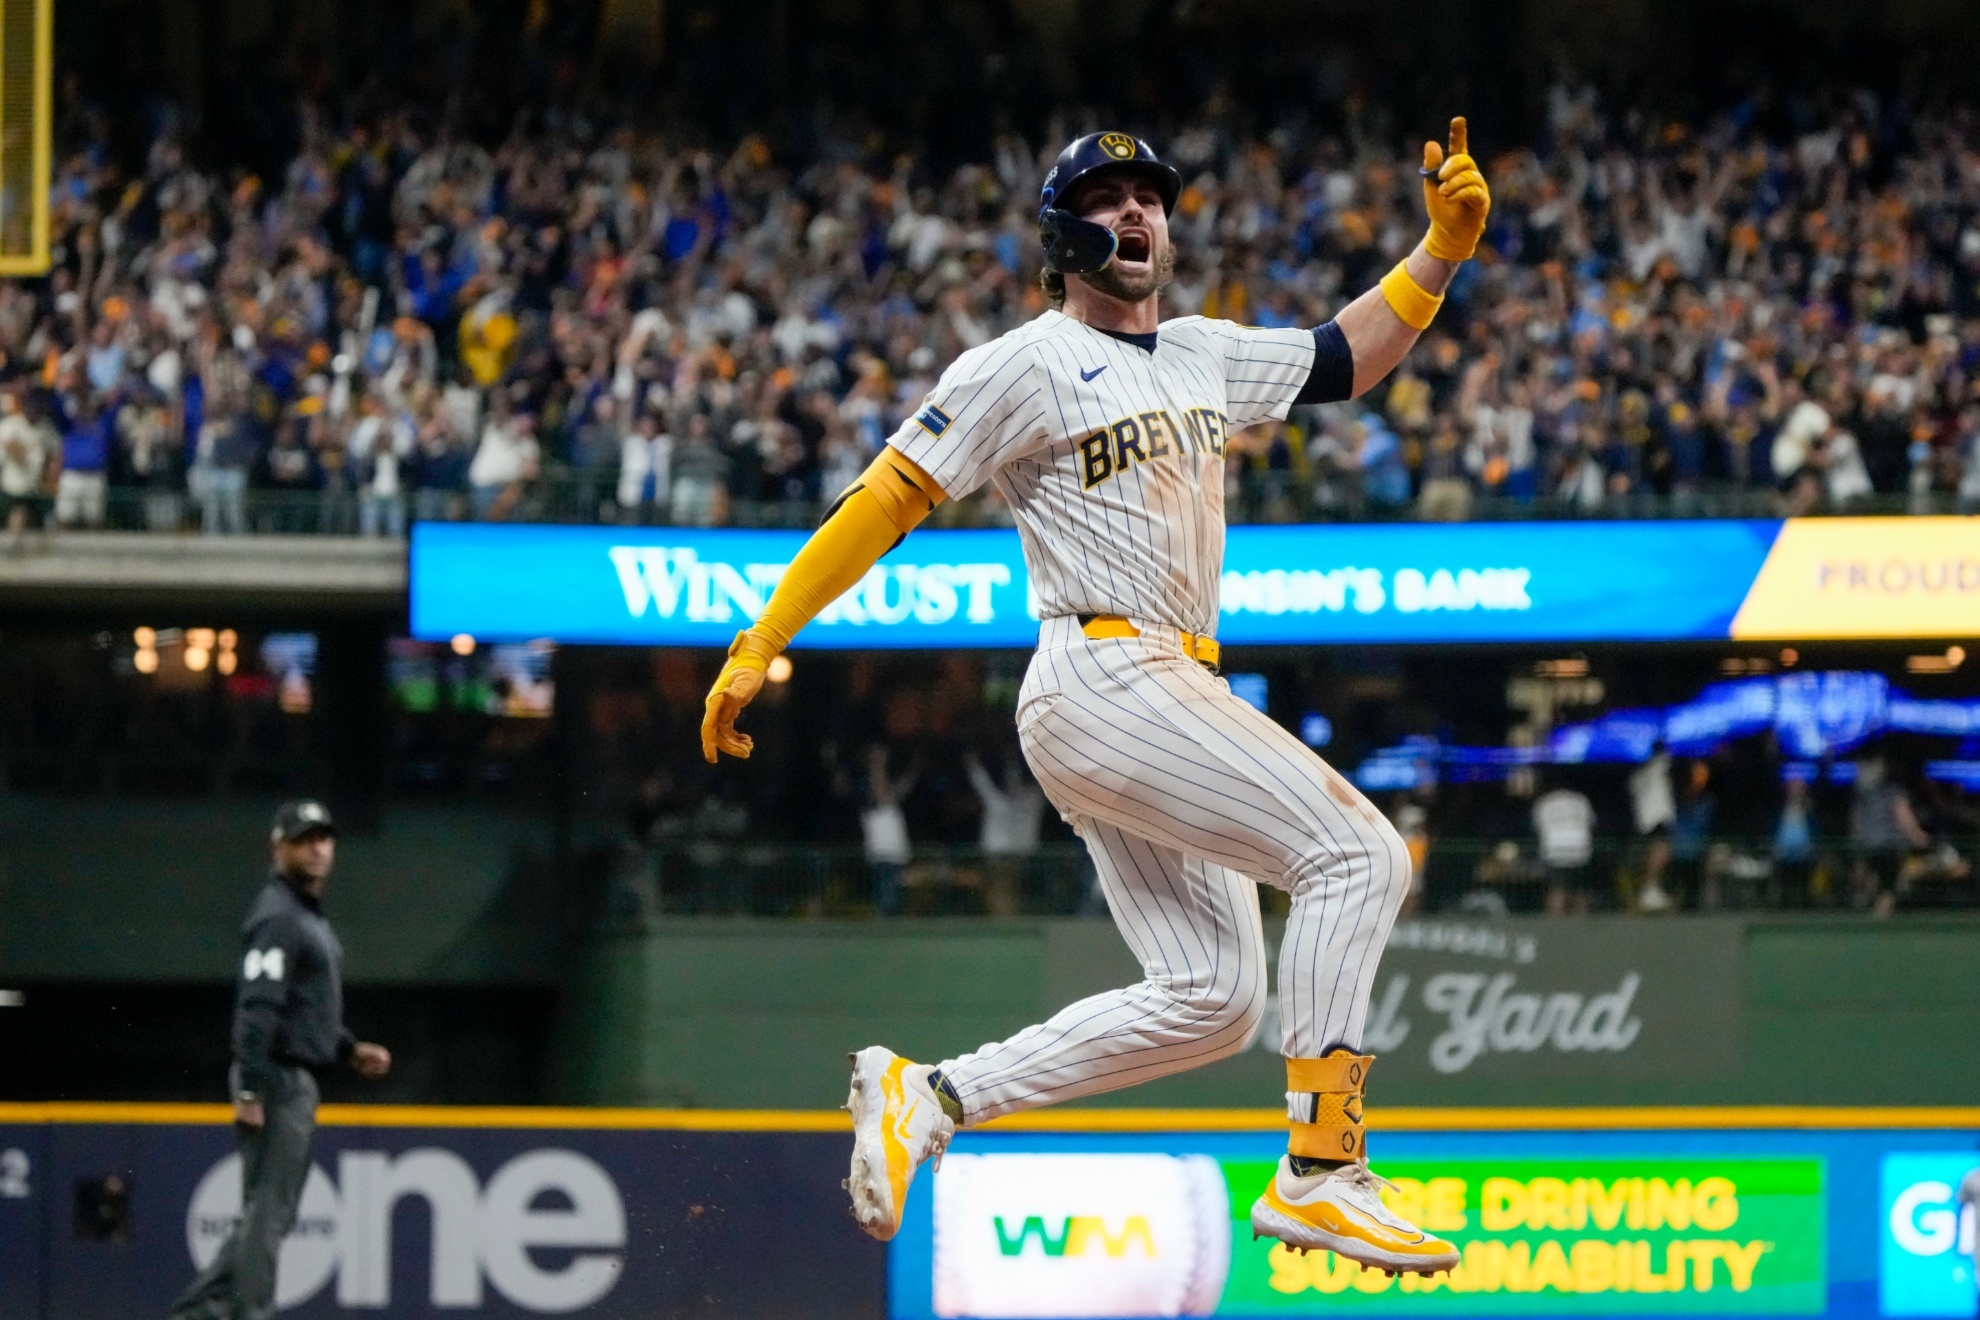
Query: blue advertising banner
x=415, y=1221
x=1477, y=582
x=1486, y=582
x=1928, y=1251
x=23, y=1173
x=624, y=1215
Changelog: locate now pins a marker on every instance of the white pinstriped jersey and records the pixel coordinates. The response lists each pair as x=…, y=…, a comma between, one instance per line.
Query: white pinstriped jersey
x=1111, y=457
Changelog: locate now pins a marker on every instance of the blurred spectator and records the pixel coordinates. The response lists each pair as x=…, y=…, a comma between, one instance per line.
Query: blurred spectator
x=1384, y=472
x=151, y=452
x=504, y=463
x=1794, y=845
x=1564, y=822
x=227, y=449
x=380, y=444
x=1846, y=480
x=1580, y=483
x=440, y=464
x=1654, y=809
x=1008, y=834
x=884, y=829
x=697, y=499
x=843, y=459
x=1446, y=495
x=646, y=469
x=82, y=489
x=290, y=468
x=601, y=444
x=1883, y=832
x=1691, y=829
x=1499, y=873
x=26, y=458
x=1797, y=452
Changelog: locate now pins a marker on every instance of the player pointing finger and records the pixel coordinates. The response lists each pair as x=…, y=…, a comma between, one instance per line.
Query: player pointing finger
x=1104, y=429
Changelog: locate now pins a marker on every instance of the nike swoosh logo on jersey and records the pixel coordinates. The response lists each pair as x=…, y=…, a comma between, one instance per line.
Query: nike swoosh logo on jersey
x=1089, y=375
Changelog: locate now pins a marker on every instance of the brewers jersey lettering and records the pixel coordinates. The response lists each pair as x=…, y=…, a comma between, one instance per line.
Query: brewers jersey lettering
x=1111, y=456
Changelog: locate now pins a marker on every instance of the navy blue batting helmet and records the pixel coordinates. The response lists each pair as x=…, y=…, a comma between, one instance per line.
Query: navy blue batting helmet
x=1079, y=247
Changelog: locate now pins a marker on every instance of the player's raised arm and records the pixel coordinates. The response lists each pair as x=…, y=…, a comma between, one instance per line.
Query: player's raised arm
x=1383, y=324
x=888, y=501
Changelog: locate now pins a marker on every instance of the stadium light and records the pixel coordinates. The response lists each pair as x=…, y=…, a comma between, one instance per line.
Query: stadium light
x=1954, y=657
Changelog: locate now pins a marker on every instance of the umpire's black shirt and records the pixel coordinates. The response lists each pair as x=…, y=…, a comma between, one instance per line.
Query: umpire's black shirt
x=289, y=1009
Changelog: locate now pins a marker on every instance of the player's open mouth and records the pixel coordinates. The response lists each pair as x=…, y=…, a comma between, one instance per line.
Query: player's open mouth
x=1134, y=246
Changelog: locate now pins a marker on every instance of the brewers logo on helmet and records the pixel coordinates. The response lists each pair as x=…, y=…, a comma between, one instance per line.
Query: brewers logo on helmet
x=1079, y=247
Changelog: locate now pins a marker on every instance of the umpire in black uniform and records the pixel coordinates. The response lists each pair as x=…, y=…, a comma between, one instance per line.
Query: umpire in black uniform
x=288, y=1031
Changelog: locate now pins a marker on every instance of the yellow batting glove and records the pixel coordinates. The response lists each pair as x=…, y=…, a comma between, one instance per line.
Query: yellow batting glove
x=1455, y=195
x=735, y=687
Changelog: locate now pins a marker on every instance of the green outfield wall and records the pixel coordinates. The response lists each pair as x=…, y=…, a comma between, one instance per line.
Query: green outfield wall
x=1595, y=1011
x=155, y=891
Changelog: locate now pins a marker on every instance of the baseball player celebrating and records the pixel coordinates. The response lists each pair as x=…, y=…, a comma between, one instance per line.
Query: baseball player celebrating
x=1104, y=430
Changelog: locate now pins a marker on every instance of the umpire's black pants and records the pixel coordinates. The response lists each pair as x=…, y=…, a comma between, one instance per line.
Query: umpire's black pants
x=240, y=1283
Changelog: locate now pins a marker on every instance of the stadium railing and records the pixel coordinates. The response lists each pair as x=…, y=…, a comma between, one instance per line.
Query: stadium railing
x=1477, y=876
x=564, y=497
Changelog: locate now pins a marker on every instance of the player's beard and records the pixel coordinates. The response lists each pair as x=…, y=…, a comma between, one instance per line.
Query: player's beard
x=1115, y=284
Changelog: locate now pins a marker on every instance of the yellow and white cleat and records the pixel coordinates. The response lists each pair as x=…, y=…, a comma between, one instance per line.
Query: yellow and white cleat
x=1341, y=1211
x=898, y=1125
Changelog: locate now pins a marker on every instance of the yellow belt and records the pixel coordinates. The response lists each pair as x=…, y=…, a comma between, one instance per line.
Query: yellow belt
x=1203, y=650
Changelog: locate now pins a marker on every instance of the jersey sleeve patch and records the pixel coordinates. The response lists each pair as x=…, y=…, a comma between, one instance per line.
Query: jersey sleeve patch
x=270, y=963
x=932, y=420
x=985, y=411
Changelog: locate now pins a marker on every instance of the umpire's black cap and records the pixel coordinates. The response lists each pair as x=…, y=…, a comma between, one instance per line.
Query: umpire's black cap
x=304, y=816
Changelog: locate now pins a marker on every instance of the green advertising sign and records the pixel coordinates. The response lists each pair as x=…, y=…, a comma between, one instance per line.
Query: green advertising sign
x=1546, y=1236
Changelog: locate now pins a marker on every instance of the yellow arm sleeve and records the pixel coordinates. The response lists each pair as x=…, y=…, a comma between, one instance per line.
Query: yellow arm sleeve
x=888, y=501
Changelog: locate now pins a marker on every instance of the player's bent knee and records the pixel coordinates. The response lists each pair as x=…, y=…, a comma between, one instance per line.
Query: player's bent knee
x=1239, y=1018
x=1226, y=1015
x=1251, y=1019
x=1392, y=867
x=1232, y=1031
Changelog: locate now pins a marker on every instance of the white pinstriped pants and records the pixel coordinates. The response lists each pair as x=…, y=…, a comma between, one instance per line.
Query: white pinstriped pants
x=1186, y=797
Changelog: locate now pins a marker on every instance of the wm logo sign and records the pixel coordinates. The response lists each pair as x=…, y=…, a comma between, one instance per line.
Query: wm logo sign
x=1036, y=1235
x=1077, y=1235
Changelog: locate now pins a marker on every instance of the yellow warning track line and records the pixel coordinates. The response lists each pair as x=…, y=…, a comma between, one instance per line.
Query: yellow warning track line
x=1640, y=1118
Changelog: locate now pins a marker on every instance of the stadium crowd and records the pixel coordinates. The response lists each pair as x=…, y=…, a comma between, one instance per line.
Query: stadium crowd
x=598, y=325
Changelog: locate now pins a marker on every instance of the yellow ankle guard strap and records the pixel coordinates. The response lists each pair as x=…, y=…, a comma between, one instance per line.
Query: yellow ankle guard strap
x=1324, y=1103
